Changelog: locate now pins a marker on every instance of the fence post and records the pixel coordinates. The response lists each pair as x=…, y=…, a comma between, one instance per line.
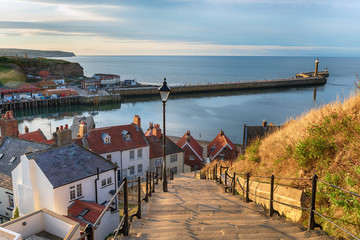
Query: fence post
x=312, y=223
x=220, y=180
x=234, y=184
x=157, y=175
x=90, y=232
x=150, y=184
x=271, y=206
x=247, y=187
x=147, y=187
x=225, y=183
x=161, y=172
x=138, y=214
x=216, y=172
x=125, y=228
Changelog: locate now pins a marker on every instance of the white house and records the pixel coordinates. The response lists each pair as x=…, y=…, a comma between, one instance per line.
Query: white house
x=124, y=145
x=11, y=149
x=56, y=177
x=41, y=224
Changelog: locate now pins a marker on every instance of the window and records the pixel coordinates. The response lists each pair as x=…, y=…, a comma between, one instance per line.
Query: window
x=139, y=153
x=103, y=182
x=192, y=157
x=11, y=201
x=79, y=190
x=108, y=157
x=173, y=158
x=132, y=170
x=139, y=167
x=158, y=162
x=109, y=180
x=132, y=155
x=72, y=193
x=221, y=156
x=127, y=137
x=106, y=138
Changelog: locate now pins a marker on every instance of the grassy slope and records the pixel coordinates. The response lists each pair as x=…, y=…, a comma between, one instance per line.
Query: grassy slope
x=10, y=75
x=326, y=142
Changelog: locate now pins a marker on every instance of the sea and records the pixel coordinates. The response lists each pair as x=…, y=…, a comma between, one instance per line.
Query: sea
x=204, y=114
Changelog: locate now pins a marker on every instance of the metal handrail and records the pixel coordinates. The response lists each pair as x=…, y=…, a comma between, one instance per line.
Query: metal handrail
x=336, y=225
x=340, y=188
x=83, y=236
x=107, y=205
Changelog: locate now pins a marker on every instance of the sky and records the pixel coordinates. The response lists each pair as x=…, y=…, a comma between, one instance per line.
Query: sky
x=184, y=27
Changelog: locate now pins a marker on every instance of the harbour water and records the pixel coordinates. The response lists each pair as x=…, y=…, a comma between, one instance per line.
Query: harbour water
x=204, y=114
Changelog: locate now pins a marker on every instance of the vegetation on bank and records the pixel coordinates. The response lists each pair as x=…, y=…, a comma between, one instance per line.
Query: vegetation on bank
x=326, y=142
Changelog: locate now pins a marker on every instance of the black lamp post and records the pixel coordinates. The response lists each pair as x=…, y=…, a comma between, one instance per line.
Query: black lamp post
x=164, y=94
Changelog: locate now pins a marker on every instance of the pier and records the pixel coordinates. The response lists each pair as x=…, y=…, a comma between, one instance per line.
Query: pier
x=221, y=87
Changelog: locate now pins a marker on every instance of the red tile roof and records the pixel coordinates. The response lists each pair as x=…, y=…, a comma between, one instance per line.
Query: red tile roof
x=91, y=216
x=155, y=147
x=94, y=139
x=36, y=136
x=187, y=139
x=219, y=143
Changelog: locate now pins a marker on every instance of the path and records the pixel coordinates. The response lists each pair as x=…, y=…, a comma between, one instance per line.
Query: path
x=199, y=209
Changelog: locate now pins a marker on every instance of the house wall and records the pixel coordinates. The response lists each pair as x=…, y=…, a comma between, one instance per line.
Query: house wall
x=179, y=164
x=155, y=162
x=5, y=210
x=22, y=187
x=108, y=224
x=34, y=224
x=229, y=154
x=192, y=163
x=58, y=227
x=62, y=194
x=9, y=235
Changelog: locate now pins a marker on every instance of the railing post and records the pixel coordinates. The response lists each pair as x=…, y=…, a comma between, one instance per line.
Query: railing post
x=216, y=172
x=234, y=184
x=125, y=228
x=138, y=214
x=147, y=187
x=153, y=185
x=271, y=206
x=90, y=232
x=247, y=187
x=312, y=223
x=149, y=184
x=157, y=175
x=161, y=172
x=225, y=183
x=220, y=176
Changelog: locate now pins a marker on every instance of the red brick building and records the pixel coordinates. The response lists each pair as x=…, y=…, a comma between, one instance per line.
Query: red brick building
x=221, y=148
x=193, y=156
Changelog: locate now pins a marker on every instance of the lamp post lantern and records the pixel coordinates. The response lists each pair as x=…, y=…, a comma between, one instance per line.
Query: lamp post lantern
x=164, y=94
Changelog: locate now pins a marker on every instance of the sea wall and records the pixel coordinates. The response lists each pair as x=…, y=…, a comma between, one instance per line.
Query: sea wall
x=213, y=87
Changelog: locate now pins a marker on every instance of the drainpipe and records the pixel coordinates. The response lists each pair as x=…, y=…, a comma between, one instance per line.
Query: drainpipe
x=97, y=179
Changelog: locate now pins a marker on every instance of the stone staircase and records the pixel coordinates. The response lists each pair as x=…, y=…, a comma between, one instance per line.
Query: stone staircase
x=200, y=209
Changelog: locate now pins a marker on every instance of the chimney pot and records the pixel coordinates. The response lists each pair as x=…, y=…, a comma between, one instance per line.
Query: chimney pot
x=66, y=126
x=61, y=127
x=57, y=129
x=264, y=123
x=221, y=132
x=26, y=129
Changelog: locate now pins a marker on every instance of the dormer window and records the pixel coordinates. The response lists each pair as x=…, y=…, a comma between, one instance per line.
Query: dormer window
x=126, y=135
x=1, y=155
x=213, y=148
x=106, y=138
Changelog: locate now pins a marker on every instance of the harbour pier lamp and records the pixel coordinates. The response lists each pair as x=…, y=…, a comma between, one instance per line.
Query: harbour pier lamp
x=164, y=94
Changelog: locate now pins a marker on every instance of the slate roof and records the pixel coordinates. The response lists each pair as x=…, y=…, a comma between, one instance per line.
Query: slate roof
x=15, y=147
x=69, y=163
x=5, y=181
x=219, y=142
x=156, y=147
x=94, y=211
x=187, y=139
x=95, y=142
x=251, y=132
x=37, y=136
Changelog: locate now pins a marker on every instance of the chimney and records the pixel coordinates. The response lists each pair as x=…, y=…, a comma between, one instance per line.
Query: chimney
x=82, y=129
x=26, y=129
x=221, y=132
x=264, y=123
x=188, y=136
x=137, y=120
x=62, y=136
x=151, y=125
x=157, y=131
x=9, y=125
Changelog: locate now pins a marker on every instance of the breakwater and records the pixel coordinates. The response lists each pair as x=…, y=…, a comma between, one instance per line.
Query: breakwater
x=220, y=87
x=54, y=102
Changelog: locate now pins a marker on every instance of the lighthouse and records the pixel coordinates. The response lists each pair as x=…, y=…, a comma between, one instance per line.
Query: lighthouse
x=316, y=67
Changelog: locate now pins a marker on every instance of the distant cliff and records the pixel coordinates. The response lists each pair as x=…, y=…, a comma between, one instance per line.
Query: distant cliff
x=14, y=52
x=32, y=66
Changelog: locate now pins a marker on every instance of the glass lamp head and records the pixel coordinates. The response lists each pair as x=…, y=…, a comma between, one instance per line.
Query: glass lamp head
x=164, y=91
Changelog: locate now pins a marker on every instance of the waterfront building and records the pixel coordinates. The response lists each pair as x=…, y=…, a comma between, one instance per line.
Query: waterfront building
x=193, y=153
x=86, y=83
x=107, y=80
x=221, y=148
x=124, y=145
x=174, y=154
x=54, y=178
